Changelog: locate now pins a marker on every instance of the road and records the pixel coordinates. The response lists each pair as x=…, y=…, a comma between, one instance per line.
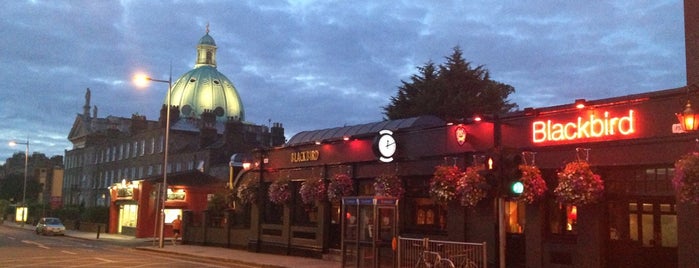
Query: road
x=23, y=248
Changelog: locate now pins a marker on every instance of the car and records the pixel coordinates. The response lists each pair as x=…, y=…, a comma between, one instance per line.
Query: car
x=50, y=226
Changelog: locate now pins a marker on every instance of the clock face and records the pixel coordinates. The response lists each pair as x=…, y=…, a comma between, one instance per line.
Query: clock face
x=386, y=146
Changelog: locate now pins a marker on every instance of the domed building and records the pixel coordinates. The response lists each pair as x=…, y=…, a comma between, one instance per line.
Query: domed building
x=118, y=161
x=205, y=89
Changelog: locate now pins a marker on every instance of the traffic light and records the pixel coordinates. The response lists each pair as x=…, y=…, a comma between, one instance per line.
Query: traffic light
x=510, y=174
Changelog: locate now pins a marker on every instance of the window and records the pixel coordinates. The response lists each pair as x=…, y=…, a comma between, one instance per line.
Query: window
x=563, y=219
x=654, y=224
x=514, y=217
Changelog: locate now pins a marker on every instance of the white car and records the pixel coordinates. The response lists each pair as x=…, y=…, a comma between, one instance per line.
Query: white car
x=50, y=226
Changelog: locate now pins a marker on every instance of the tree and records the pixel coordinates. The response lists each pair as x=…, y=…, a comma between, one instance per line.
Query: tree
x=452, y=91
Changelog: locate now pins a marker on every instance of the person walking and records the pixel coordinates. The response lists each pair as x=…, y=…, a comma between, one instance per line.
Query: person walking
x=176, y=228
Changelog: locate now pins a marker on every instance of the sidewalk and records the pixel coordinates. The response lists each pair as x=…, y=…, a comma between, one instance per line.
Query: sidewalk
x=218, y=253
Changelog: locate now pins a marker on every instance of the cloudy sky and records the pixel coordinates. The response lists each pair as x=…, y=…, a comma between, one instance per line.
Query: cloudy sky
x=319, y=64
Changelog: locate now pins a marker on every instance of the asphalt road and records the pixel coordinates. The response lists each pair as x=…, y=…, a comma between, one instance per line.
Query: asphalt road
x=24, y=248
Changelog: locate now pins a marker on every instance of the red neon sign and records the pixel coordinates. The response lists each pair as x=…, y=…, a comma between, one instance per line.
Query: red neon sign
x=584, y=128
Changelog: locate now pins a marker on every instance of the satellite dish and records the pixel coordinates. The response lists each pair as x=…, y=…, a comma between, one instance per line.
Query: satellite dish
x=187, y=110
x=218, y=111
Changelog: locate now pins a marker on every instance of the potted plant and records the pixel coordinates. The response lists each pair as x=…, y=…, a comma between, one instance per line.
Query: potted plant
x=578, y=185
x=312, y=190
x=279, y=192
x=534, y=184
x=247, y=192
x=388, y=185
x=443, y=184
x=686, y=179
x=340, y=185
x=470, y=187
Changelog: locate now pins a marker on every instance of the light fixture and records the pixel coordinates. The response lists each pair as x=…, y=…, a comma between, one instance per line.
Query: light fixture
x=580, y=103
x=687, y=118
x=140, y=80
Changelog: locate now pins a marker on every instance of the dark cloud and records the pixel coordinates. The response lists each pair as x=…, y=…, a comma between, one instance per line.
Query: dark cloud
x=320, y=64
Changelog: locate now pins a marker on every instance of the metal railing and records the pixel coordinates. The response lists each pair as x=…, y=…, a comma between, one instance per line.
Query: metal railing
x=416, y=252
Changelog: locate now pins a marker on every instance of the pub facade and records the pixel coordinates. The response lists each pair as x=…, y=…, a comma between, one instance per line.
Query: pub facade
x=631, y=142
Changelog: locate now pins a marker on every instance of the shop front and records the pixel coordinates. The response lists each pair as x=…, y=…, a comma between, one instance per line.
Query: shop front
x=135, y=208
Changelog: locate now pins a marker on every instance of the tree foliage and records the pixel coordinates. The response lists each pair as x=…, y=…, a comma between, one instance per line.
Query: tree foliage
x=452, y=91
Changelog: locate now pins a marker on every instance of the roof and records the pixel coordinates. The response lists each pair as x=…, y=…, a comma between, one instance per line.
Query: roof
x=360, y=130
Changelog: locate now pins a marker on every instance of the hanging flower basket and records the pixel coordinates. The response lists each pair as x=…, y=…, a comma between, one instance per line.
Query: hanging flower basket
x=578, y=185
x=443, y=184
x=470, y=187
x=279, y=192
x=339, y=186
x=312, y=190
x=247, y=192
x=388, y=185
x=534, y=184
x=686, y=180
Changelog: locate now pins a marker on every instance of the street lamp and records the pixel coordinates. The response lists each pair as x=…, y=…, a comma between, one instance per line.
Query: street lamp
x=24, y=188
x=141, y=80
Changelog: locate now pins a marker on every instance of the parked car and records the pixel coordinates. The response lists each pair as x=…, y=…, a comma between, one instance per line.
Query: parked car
x=50, y=226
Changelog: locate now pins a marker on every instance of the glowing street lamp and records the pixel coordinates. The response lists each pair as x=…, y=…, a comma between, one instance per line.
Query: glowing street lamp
x=141, y=80
x=24, y=188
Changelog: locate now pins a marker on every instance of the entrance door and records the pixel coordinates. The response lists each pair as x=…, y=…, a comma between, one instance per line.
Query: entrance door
x=649, y=239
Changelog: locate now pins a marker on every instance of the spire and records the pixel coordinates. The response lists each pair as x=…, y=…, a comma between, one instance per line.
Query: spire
x=207, y=28
x=86, y=107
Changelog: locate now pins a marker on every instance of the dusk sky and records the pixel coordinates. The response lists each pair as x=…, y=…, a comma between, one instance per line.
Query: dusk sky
x=320, y=64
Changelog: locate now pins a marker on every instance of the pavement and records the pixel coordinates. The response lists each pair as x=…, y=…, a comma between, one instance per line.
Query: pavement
x=235, y=256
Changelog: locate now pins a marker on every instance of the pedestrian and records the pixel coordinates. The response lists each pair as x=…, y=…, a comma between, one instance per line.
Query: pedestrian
x=176, y=228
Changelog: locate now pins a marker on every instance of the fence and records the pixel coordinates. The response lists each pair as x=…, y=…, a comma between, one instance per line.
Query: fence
x=416, y=252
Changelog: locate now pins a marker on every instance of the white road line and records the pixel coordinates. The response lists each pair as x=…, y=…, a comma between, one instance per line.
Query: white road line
x=35, y=243
x=69, y=252
x=104, y=260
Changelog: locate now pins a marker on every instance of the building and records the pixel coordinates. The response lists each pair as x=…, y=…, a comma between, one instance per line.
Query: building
x=118, y=162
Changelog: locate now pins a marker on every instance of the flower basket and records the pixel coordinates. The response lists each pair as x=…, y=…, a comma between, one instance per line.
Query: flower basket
x=443, y=184
x=312, y=190
x=339, y=186
x=279, y=192
x=247, y=192
x=388, y=185
x=469, y=187
x=534, y=184
x=578, y=185
x=686, y=180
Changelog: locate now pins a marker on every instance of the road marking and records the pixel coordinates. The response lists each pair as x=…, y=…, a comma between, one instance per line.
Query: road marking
x=104, y=260
x=35, y=243
x=68, y=252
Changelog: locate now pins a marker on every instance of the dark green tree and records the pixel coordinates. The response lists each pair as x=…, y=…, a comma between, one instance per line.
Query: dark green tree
x=452, y=91
x=12, y=188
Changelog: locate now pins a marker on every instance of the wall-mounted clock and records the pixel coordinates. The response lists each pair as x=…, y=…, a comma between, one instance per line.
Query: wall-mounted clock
x=385, y=146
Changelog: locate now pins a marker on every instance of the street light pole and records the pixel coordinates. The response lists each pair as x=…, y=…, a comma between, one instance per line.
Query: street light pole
x=161, y=237
x=24, y=188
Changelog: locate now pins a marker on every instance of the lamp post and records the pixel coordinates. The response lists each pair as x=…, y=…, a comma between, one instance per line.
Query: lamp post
x=140, y=79
x=24, y=188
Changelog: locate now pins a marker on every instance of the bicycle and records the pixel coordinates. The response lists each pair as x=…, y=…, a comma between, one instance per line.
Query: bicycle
x=432, y=259
x=463, y=260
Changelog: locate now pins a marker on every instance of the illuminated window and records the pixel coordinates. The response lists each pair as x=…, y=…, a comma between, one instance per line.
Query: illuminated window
x=563, y=219
x=514, y=217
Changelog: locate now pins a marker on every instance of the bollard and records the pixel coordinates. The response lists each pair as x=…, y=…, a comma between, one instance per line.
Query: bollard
x=99, y=227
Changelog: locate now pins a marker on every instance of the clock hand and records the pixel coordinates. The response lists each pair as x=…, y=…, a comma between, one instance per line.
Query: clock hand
x=389, y=144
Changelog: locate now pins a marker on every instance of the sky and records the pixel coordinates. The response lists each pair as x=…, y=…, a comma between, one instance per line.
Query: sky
x=319, y=64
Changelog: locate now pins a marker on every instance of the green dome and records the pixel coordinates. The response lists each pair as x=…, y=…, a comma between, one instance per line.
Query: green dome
x=207, y=40
x=206, y=89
